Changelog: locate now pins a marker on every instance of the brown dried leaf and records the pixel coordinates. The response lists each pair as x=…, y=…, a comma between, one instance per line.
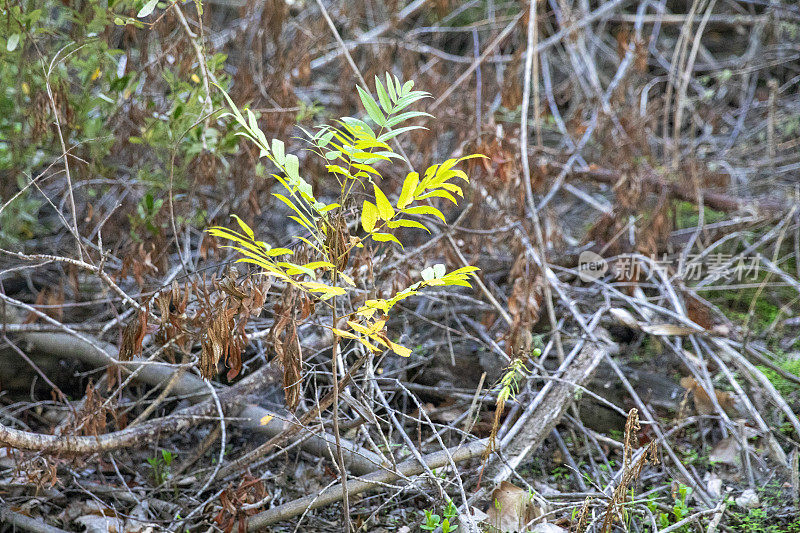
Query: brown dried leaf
x=133, y=334
x=702, y=401
x=287, y=345
x=512, y=508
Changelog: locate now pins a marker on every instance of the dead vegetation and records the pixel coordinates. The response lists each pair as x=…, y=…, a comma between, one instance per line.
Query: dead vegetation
x=626, y=359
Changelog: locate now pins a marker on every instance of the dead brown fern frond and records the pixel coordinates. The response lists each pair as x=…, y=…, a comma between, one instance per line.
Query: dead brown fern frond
x=630, y=469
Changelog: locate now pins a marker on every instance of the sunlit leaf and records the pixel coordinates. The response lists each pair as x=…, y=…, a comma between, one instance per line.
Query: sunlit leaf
x=245, y=227
x=402, y=117
x=394, y=133
x=438, y=193
x=405, y=223
x=407, y=193
x=279, y=251
x=13, y=39
x=385, y=209
x=147, y=8
x=402, y=351
x=292, y=166
x=390, y=86
x=344, y=334
x=369, y=216
x=278, y=151
x=425, y=210
x=386, y=237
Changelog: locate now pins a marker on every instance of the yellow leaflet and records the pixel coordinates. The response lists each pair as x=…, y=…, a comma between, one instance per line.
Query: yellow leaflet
x=407, y=194
x=385, y=209
x=369, y=216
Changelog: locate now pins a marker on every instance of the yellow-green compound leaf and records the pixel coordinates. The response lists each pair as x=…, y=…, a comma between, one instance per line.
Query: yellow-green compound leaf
x=407, y=194
x=385, y=237
x=382, y=305
x=347, y=279
x=385, y=209
x=365, y=168
x=325, y=265
x=425, y=210
x=369, y=216
x=465, y=270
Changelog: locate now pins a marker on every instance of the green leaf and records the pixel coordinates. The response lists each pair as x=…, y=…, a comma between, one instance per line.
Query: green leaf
x=409, y=99
x=278, y=151
x=390, y=85
x=357, y=127
x=394, y=133
x=292, y=165
x=385, y=209
x=402, y=117
x=369, y=215
x=383, y=97
x=147, y=8
x=371, y=106
x=407, y=193
x=12, y=42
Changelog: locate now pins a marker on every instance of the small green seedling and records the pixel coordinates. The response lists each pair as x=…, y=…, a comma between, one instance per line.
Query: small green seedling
x=161, y=466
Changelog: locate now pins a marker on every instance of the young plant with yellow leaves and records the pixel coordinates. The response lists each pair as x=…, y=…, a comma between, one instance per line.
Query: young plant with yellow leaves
x=355, y=153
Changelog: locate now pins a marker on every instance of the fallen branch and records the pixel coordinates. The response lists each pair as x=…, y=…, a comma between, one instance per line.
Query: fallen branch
x=333, y=494
x=251, y=417
x=7, y=516
x=134, y=435
x=552, y=402
x=687, y=193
